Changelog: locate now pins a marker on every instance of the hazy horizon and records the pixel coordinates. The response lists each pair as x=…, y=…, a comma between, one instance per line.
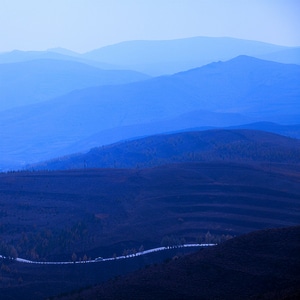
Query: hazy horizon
x=83, y=26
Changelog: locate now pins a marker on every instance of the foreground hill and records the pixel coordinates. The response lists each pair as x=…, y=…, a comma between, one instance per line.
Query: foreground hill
x=212, y=145
x=34, y=81
x=257, y=89
x=260, y=265
x=101, y=212
x=50, y=215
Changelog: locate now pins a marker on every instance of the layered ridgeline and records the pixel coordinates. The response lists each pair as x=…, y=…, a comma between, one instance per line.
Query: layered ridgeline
x=34, y=81
x=171, y=56
x=233, y=92
x=166, y=56
x=249, y=146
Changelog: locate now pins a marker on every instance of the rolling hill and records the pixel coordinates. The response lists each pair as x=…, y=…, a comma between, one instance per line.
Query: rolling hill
x=198, y=146
x=257, y=89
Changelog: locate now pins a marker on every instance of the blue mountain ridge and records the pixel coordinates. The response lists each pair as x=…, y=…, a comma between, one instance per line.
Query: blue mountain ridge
x=42, y=79
x=161, y=57
x=256, y=89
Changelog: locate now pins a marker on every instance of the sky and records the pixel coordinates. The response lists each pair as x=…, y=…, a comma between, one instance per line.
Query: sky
x=84, y=25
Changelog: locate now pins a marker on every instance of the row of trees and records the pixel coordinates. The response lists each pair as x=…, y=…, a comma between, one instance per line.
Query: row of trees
x=204, y=238
x=8, y=251
x=44, y=243
x=209, y=238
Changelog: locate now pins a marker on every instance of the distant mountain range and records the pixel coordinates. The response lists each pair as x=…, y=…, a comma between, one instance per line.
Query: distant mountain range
x=164, y=57
x=244, y=88
x=213, y=145
x=172, y=56
x=60, y=54
x=34, y=81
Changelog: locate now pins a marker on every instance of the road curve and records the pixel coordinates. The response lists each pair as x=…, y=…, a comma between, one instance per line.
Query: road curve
x=22, y=260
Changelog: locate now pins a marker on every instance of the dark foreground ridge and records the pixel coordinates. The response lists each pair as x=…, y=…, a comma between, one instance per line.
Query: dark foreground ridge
x=260, y=265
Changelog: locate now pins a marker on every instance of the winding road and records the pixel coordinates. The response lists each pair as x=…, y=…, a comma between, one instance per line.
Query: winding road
x=99, y=260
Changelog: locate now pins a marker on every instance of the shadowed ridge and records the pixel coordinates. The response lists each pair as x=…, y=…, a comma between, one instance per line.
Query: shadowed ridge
x=260, y=265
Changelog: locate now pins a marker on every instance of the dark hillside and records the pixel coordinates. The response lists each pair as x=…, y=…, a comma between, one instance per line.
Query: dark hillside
x=198, y=146
x=259, y=265
x=50, y=215
x=102, y=212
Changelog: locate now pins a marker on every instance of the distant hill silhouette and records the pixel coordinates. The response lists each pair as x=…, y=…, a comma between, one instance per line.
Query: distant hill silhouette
x=286, y=56
x=286, y=130
x=172, y=56
x=259, y=90
x=163, y=57
x=260, y=265
x=34, y=81
x=60, y=54
x=212, y=145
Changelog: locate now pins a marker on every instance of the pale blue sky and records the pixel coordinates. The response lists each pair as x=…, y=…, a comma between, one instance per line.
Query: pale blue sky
x=83, y=25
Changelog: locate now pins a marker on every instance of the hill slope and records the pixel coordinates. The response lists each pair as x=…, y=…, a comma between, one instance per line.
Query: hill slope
x=51, y=215
x=258, y=89
x=212, y=145
x=260, y=265
x=109, y=210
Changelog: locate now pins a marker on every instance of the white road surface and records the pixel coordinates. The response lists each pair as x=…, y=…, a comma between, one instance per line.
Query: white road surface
x=22, y=260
